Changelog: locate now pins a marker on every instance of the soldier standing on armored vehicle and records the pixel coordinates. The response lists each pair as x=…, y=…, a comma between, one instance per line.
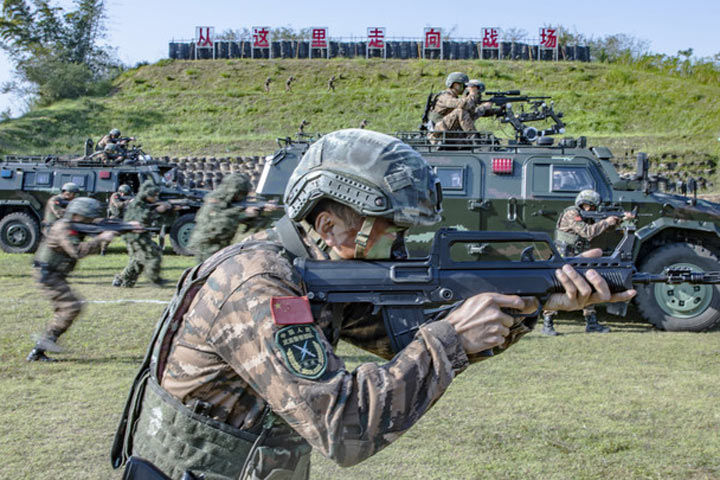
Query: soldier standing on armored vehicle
x=56, y=205
x=573, y=235
x=143, y=253
x=451, y=111
x=55, y=259
x=218, y=219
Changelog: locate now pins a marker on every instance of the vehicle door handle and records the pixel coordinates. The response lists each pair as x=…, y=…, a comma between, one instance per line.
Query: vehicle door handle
x=512, y=209
x=476, y=248
x=475, y=205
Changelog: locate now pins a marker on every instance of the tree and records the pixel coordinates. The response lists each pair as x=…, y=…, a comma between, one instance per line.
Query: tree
x=56, y=53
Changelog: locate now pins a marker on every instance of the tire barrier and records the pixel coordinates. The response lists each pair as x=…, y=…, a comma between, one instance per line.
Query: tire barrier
x=452, y=50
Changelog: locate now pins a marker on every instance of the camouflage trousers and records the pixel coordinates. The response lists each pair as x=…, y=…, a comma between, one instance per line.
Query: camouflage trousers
x=66, y=305
x=458, y=119
x=143, y=255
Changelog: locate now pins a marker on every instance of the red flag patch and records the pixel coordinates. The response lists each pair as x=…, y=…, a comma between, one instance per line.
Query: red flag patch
x=578, y=218
x=291, y=310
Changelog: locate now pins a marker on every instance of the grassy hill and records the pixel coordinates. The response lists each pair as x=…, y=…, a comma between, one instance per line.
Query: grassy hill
x=220, y=107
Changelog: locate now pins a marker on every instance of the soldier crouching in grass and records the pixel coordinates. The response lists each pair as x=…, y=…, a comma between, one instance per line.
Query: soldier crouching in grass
x=242, y=381
x=55, y=259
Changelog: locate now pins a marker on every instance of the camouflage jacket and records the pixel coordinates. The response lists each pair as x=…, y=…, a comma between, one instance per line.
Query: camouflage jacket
x=63, y=247
x=117, y=205
x=144, y=212
x=572, y=229
x=233, y=356
x=54, y=209
x=104, y=142
x=216, y=224
x=447, y=101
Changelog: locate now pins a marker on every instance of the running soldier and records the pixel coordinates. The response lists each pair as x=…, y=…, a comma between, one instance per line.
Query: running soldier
x=55, y=259
x=143, y=253
x=242, y=381
x=218, y=219
x=573, y=235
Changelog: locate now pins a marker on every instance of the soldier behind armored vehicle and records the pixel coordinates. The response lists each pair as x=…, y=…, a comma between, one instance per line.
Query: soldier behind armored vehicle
x=55, y=259
x=573, y=235
x=56, y=205
x=113, y=137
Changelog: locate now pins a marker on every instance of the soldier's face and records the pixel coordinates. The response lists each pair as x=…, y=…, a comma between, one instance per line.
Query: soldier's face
x=68, y=195
x=341, y=237
x=458, y=88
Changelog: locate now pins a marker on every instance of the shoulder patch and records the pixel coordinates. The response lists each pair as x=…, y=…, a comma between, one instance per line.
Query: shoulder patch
x=290, y=310
x=73, y=232
x=303, y=351
x=578, y=218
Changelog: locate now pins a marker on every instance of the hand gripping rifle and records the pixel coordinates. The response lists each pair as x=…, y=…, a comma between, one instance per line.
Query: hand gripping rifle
x=410, y=293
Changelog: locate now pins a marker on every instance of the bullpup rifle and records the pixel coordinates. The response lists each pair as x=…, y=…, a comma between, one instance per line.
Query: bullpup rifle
x=410, y=293
x=109, y=224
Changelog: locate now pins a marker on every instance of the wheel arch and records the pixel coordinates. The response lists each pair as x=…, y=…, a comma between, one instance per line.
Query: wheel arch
x=667, y=230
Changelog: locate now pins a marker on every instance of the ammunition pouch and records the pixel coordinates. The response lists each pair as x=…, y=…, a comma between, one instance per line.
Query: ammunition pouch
x=46, y=271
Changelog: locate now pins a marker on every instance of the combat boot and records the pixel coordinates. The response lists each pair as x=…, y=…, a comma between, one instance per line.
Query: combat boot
x=116, y=282
x=549, y=325
x=38, y=355
x=593, y=326
x=47, y=343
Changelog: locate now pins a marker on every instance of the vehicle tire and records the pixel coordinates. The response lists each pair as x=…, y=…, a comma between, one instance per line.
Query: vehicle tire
x=19, y=233
x=180, y=233
x=683, y=307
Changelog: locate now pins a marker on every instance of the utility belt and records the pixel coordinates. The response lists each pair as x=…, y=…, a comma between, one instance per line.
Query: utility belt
x=46, y=270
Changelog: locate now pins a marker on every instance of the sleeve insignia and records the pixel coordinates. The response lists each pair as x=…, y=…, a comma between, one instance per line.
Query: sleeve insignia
x=304, y=353
x=290, y=310
x=578, y=218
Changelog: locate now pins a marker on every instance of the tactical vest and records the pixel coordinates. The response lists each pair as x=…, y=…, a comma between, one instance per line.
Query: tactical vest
x=569, y=243
x=55, y=261
x=158, y=427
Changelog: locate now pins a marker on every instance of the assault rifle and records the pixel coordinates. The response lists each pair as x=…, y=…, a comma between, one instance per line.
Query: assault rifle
x=109, y=224
x=503, y=98
x=187, y=203
x=409, y=293
x=429, y=104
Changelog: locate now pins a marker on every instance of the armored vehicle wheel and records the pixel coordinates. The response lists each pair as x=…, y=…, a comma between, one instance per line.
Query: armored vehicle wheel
x=681, y=307
x=180, y=233
x=19, y=233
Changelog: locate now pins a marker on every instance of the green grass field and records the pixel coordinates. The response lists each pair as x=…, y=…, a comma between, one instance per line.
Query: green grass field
x=219, y=107
x=636, y=403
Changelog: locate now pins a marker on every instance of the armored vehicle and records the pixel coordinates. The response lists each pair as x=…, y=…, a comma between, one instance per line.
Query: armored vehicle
x=526, y=183
x=27, y=182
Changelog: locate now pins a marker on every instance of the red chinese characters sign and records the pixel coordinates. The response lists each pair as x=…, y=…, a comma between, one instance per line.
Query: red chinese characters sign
x=261, y=37
x=490, y=38
x=376, y=37
x=204, y=36
x=433, y=37
x=548, y=38
x=319, y=38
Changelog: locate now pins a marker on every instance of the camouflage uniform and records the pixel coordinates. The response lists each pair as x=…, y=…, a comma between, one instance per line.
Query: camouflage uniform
x=104, y=142
x=117, y=205
x=331, y=83
x=55, y=259
x=226, y=362
x=143, y=254
x=573, y=235
x=217, y=220
x=54, y=209
x=452, y=112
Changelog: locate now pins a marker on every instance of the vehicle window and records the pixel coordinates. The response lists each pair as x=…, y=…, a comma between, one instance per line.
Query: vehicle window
x=78, y=180
x=571, y=179
x=451, y=178
x=43, y=178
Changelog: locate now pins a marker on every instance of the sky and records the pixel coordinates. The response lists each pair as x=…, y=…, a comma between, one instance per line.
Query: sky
x=140, y=30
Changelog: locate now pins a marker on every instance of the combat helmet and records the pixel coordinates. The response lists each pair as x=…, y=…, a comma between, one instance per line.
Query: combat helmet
x=589, y=197
x=374, y=174
x=85, y=206
x=125, y=189
x=70, y=187
x=114, y=132
x=148, y=189
x=456, y=77
x=473, y=82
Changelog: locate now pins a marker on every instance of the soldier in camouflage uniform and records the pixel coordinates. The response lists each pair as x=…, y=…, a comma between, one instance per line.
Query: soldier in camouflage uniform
x=55, y=259
x=242, y=381
x=452, y=111
x=573, y=235
x=143, y=253
x=112, y=138
x=56, y=205
x=119, y=201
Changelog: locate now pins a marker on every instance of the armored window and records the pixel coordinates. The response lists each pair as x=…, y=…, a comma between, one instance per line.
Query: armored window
x=78, y=180
x=571, y=179
x=451, y=178
x=43, y=178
